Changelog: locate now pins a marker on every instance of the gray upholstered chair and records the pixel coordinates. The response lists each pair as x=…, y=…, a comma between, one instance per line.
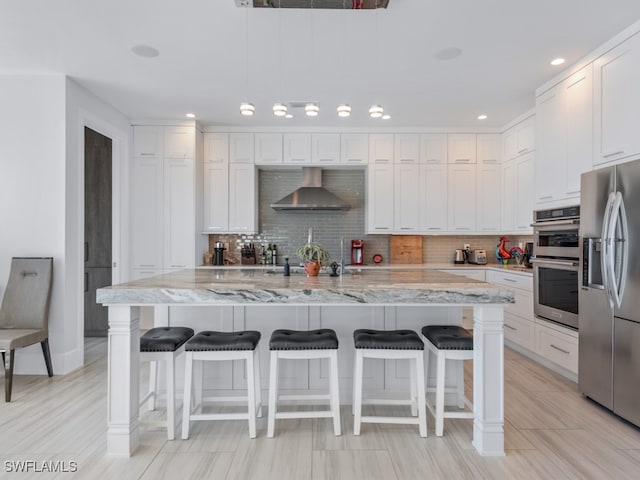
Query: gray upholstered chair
x=24, y=313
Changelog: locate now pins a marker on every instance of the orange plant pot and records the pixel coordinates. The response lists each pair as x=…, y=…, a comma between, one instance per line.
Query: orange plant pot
x=312, y=268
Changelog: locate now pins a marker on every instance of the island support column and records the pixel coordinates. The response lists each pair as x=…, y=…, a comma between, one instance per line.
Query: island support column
x=488, y=380
x=122, y=380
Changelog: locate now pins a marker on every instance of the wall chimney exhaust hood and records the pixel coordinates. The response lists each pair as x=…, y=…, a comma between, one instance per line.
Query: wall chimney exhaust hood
x=311, y=195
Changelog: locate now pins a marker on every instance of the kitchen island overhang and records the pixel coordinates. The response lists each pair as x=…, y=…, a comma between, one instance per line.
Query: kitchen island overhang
x=255, y=287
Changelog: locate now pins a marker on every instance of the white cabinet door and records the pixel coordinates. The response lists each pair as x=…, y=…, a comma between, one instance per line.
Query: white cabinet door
x=354, y=148
x=489, y=197
x=242, y=198
x=508, y=196
x=216, y=197
x=216, y=147
x=489, y=148
x=525, y=136
x=297, y=148
x=241, y=148
x=462, y=147
x=617, y=102
x=551, y=146
x=579, y=105
x=407, y=148
x=407, y=198
x=380, y=198
x=433, y=148
x=381, y=148
x=179, y=213
x=433, y=197
x=146, y=213
x=268, y=148
x=509, y=145
x=462, y=198
x=524, y=171
x=147, y=141
x=325, y=148
x=179, y=142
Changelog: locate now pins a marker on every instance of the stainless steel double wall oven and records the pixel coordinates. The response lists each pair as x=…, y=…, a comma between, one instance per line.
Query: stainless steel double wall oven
x=555, y=265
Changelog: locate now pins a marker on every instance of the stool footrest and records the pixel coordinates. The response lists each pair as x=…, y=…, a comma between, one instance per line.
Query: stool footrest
x=310, y=414
x=387, y=401
x=218, y=399
x=219, y=416
x=305, y=397
x=401, y=420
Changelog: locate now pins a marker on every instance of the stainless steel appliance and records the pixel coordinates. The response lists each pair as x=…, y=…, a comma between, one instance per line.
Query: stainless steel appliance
x=556, y=264
x=218, y=254
x=478, y=257
x=459, y=257
x=609, y=348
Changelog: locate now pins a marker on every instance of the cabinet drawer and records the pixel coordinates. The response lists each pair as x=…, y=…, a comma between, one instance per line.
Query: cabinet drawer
x=520, y=331
x=524, y=282
x=556, y=346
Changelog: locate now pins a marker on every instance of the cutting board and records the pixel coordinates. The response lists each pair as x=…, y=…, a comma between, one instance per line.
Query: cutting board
x=405, y=249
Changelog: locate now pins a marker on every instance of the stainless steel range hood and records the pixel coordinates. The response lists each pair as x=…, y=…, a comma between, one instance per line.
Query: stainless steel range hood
x=311, y=195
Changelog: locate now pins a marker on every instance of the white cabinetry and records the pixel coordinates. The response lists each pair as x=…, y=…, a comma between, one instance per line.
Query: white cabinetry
x=519, y=139
x=354, y=148
x=433, y=197
x=267, y=149
x=380, y=198
x=523, y=181
x=179, y=142
x=297, y=148
x=381, y=148
x=407, y=148
x=242, y=198
x=462, y=147
x=461, y=197
x=557, y=344
x=216, y=148
x=325, y=148
x=407, y=195
x=179, y=213
x=433, y=148
x=488, y=197
x=146, y=213
x=147, y=141
x=216, y=182
x=241, y=148
x=617, y=102
x=563, y=140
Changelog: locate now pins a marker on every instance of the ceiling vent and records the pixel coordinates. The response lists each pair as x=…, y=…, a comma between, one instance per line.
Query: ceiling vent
x=315, y=4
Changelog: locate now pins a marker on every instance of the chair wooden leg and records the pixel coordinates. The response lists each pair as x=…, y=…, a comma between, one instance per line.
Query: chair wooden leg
x=8, y=375
x=47, y=356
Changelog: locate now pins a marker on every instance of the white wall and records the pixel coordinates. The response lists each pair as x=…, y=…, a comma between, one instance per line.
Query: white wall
x=42, y=123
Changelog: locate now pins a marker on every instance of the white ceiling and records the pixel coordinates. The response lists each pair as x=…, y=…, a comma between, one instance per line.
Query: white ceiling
x=330, y=56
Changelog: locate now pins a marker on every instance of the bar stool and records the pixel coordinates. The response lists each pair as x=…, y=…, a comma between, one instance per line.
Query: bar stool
x=448, y=342
x=297, y=344
x=395, y=345
x=210, y=346
x=163, y=344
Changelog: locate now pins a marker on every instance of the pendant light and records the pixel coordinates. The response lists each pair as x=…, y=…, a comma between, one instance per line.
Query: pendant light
x=280, y=109
x=312, y=109
x=247, y=108
x=376, y=111
x=344, y=109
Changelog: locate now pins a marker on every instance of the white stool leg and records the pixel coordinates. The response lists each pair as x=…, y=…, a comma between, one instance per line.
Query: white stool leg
x=422, y=411
x=198, y=384
x=357, y=387
x=273, y=393
x=461, y=384
x=251, y=394
x=258, y=387
x=171, y=395
x=353, y=390
x=153, y=385
x=414, y=383
x=440, y=363
x=335, y=394
x=186, y=407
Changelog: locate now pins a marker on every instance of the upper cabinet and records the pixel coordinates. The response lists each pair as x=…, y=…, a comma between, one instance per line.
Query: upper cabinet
x=241, y=148
x=489, y=148
x=325, y=148
x=297, y=148
x=433, y=148
x=216, y=148
x=147, y=141
x=407, y=148
x=617, y=102
x=354, y=148
x=519, y=139
x=179, y=142
x=267, y=148
x=461, y=147
x=381, y=148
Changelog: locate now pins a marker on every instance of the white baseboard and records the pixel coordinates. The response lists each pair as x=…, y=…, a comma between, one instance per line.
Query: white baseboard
x=30, y=361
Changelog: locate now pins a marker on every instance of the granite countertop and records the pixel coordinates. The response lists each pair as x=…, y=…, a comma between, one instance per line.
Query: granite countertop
x=376, y=286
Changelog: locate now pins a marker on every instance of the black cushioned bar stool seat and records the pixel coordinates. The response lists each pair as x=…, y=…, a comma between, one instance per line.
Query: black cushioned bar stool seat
x=323, y=338
x=210, y=346
x=304, y=345
x=448, y=342
x=209, y=341
x=392, y=345
x=163, y=344
x=388, y=339
x=448, y=337
x=165, y=339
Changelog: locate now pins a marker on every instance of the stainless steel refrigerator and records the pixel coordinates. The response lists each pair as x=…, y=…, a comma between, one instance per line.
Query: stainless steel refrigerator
x=609, y=294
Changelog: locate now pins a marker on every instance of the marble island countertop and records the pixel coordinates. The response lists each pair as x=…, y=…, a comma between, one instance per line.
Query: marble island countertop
x=375, y=286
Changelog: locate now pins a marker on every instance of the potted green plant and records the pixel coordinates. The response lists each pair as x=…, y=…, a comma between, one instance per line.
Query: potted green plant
x=314, y=256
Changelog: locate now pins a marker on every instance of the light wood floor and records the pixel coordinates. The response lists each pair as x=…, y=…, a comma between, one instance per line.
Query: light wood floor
x=551, y=432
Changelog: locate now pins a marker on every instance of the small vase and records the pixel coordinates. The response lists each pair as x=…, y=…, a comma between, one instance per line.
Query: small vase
x=312, y=268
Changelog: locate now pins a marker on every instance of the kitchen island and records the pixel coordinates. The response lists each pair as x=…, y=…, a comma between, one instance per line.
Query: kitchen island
x=358, y=299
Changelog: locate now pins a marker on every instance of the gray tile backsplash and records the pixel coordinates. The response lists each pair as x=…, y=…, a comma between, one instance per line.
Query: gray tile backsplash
x=289, y=229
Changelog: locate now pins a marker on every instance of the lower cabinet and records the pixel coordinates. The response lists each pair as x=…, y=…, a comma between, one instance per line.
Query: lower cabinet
x=556, y=344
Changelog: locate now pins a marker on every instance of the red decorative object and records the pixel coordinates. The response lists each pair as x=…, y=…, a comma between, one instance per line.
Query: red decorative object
x=504, y=253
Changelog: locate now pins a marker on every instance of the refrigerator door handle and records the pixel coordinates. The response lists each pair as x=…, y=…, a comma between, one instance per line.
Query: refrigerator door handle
x=618, y=278
x=606, y=247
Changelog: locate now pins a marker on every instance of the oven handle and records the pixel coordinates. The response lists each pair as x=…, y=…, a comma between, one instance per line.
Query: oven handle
x=562, y=263
x=553, y=223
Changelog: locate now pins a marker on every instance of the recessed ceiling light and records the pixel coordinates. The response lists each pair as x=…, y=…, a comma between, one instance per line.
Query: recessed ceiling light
x=344, y=110
x=386, y=116
x=190, y=115
x=279, y=109
x=288, y=115
x=448, y=53
x=557, y=61
x=311, y=109
x=145, y=51
x=247, y=108
x=482, y=117
x=375, y=111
